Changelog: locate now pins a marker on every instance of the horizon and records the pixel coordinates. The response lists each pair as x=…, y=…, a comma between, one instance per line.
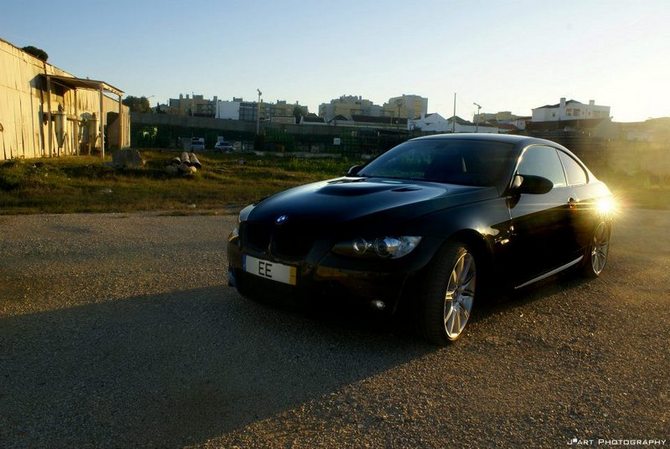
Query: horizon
x=511, y=56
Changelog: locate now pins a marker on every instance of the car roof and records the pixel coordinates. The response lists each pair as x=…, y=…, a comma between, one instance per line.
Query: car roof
x=503, y=138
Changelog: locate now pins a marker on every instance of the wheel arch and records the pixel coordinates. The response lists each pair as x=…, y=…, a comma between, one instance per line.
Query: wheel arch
x=483, y=253
x=476, y=242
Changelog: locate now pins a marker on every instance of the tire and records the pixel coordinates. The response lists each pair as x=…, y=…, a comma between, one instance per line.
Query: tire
x=595, y=258
x=448, y=294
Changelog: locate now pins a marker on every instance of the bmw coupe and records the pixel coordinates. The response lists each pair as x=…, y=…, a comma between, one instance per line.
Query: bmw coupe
x=432, y=225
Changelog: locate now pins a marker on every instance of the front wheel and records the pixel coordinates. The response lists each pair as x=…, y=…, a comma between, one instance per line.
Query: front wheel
x=448, y=294
x=597, y=251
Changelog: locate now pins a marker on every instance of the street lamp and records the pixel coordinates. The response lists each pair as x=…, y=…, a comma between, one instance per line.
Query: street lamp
x=258, y=112
x=479, y=108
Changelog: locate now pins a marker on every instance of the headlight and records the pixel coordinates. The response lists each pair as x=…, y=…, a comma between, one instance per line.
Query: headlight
x=244, y=213
x=235, y=233
x=384, y=247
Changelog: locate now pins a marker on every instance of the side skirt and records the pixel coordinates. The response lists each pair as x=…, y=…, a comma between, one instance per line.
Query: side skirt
x=550, y=273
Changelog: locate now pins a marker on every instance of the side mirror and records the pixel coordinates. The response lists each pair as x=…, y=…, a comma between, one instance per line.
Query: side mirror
x=534, y=185
x=353, y=170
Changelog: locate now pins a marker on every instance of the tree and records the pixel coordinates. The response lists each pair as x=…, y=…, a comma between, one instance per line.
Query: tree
x=298, y=113
x=36, y=52
x=137, y=104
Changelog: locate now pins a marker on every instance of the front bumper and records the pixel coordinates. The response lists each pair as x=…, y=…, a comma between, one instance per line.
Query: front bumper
x=325, y=276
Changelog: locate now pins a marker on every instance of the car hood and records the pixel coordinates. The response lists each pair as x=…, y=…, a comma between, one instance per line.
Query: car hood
x=346, y=200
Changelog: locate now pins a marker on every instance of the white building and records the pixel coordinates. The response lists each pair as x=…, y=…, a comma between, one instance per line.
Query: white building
x=431, y=122
x=228, y=109
x=570, y=110
x=436, y=123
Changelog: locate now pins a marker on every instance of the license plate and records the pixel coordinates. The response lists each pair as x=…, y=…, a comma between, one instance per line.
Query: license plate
x=285, y=274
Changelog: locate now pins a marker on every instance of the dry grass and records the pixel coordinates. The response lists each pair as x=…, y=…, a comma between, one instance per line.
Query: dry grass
x=87, y=184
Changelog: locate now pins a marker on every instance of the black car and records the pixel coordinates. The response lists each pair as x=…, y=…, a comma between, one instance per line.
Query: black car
x=431, y=226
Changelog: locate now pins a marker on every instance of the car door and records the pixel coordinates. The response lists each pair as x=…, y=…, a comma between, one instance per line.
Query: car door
x=581, y=207
x=540, y=221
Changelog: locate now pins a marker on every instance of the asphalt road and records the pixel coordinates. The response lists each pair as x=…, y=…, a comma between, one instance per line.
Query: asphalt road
x=119, y=331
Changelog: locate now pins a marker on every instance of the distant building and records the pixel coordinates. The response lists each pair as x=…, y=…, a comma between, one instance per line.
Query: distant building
x=229, y=110
x=497, y=116
x=570, y=110
x=433, y=122
x=348, y=106
x=406, y=106
x=436, y=123
x=652, y=130
x=505, y=121
x=160, y=109
x=249, y=111
x=312, y=119
x=238, y=109
x=196, y=106
x=282, y=108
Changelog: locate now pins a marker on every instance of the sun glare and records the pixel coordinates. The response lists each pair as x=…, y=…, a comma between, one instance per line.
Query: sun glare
x=608, y=206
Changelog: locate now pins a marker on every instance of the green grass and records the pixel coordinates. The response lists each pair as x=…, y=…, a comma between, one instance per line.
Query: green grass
x=88, y=184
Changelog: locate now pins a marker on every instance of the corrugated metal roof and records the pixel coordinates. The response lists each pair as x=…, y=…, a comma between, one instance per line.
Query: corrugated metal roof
x=75, y=83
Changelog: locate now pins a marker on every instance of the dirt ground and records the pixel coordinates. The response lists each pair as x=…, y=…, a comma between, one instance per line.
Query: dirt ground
x=119, y=330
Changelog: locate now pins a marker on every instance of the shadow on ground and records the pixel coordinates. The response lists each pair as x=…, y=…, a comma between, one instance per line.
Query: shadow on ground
x=174, y=369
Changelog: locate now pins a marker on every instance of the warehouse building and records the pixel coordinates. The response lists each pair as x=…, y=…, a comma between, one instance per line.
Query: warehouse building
x=47, y=112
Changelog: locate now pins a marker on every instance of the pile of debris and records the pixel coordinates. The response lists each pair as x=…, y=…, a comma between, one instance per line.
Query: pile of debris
x=187, y=165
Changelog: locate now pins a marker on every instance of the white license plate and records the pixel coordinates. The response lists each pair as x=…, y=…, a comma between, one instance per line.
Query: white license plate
x=285, y=274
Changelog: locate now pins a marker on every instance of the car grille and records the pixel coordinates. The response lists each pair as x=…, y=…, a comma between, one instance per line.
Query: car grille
x=288, y=241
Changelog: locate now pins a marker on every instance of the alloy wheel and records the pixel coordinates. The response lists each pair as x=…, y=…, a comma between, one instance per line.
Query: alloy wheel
x=599, y=248
x=459, y=295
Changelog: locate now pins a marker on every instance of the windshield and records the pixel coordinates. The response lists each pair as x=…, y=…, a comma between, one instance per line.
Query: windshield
x=465, y=162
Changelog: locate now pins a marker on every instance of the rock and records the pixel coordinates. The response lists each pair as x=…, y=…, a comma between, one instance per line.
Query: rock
x=128, y=158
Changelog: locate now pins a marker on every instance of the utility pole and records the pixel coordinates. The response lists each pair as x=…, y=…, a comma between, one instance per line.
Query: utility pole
x=453, y=118
x=258, y=112
x=479, y=108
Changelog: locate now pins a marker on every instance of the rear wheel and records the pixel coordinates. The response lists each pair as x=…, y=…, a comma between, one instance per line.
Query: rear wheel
x=448, y=294
x=597, y=251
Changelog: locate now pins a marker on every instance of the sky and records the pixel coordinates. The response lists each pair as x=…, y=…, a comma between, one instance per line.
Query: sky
x=504, y=55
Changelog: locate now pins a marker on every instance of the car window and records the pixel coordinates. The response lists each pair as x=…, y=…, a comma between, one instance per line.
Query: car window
x=542, y=161
x=466, y=162
x=575, y=173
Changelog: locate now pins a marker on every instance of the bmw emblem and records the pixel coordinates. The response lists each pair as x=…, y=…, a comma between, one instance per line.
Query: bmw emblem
x=280, y=220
